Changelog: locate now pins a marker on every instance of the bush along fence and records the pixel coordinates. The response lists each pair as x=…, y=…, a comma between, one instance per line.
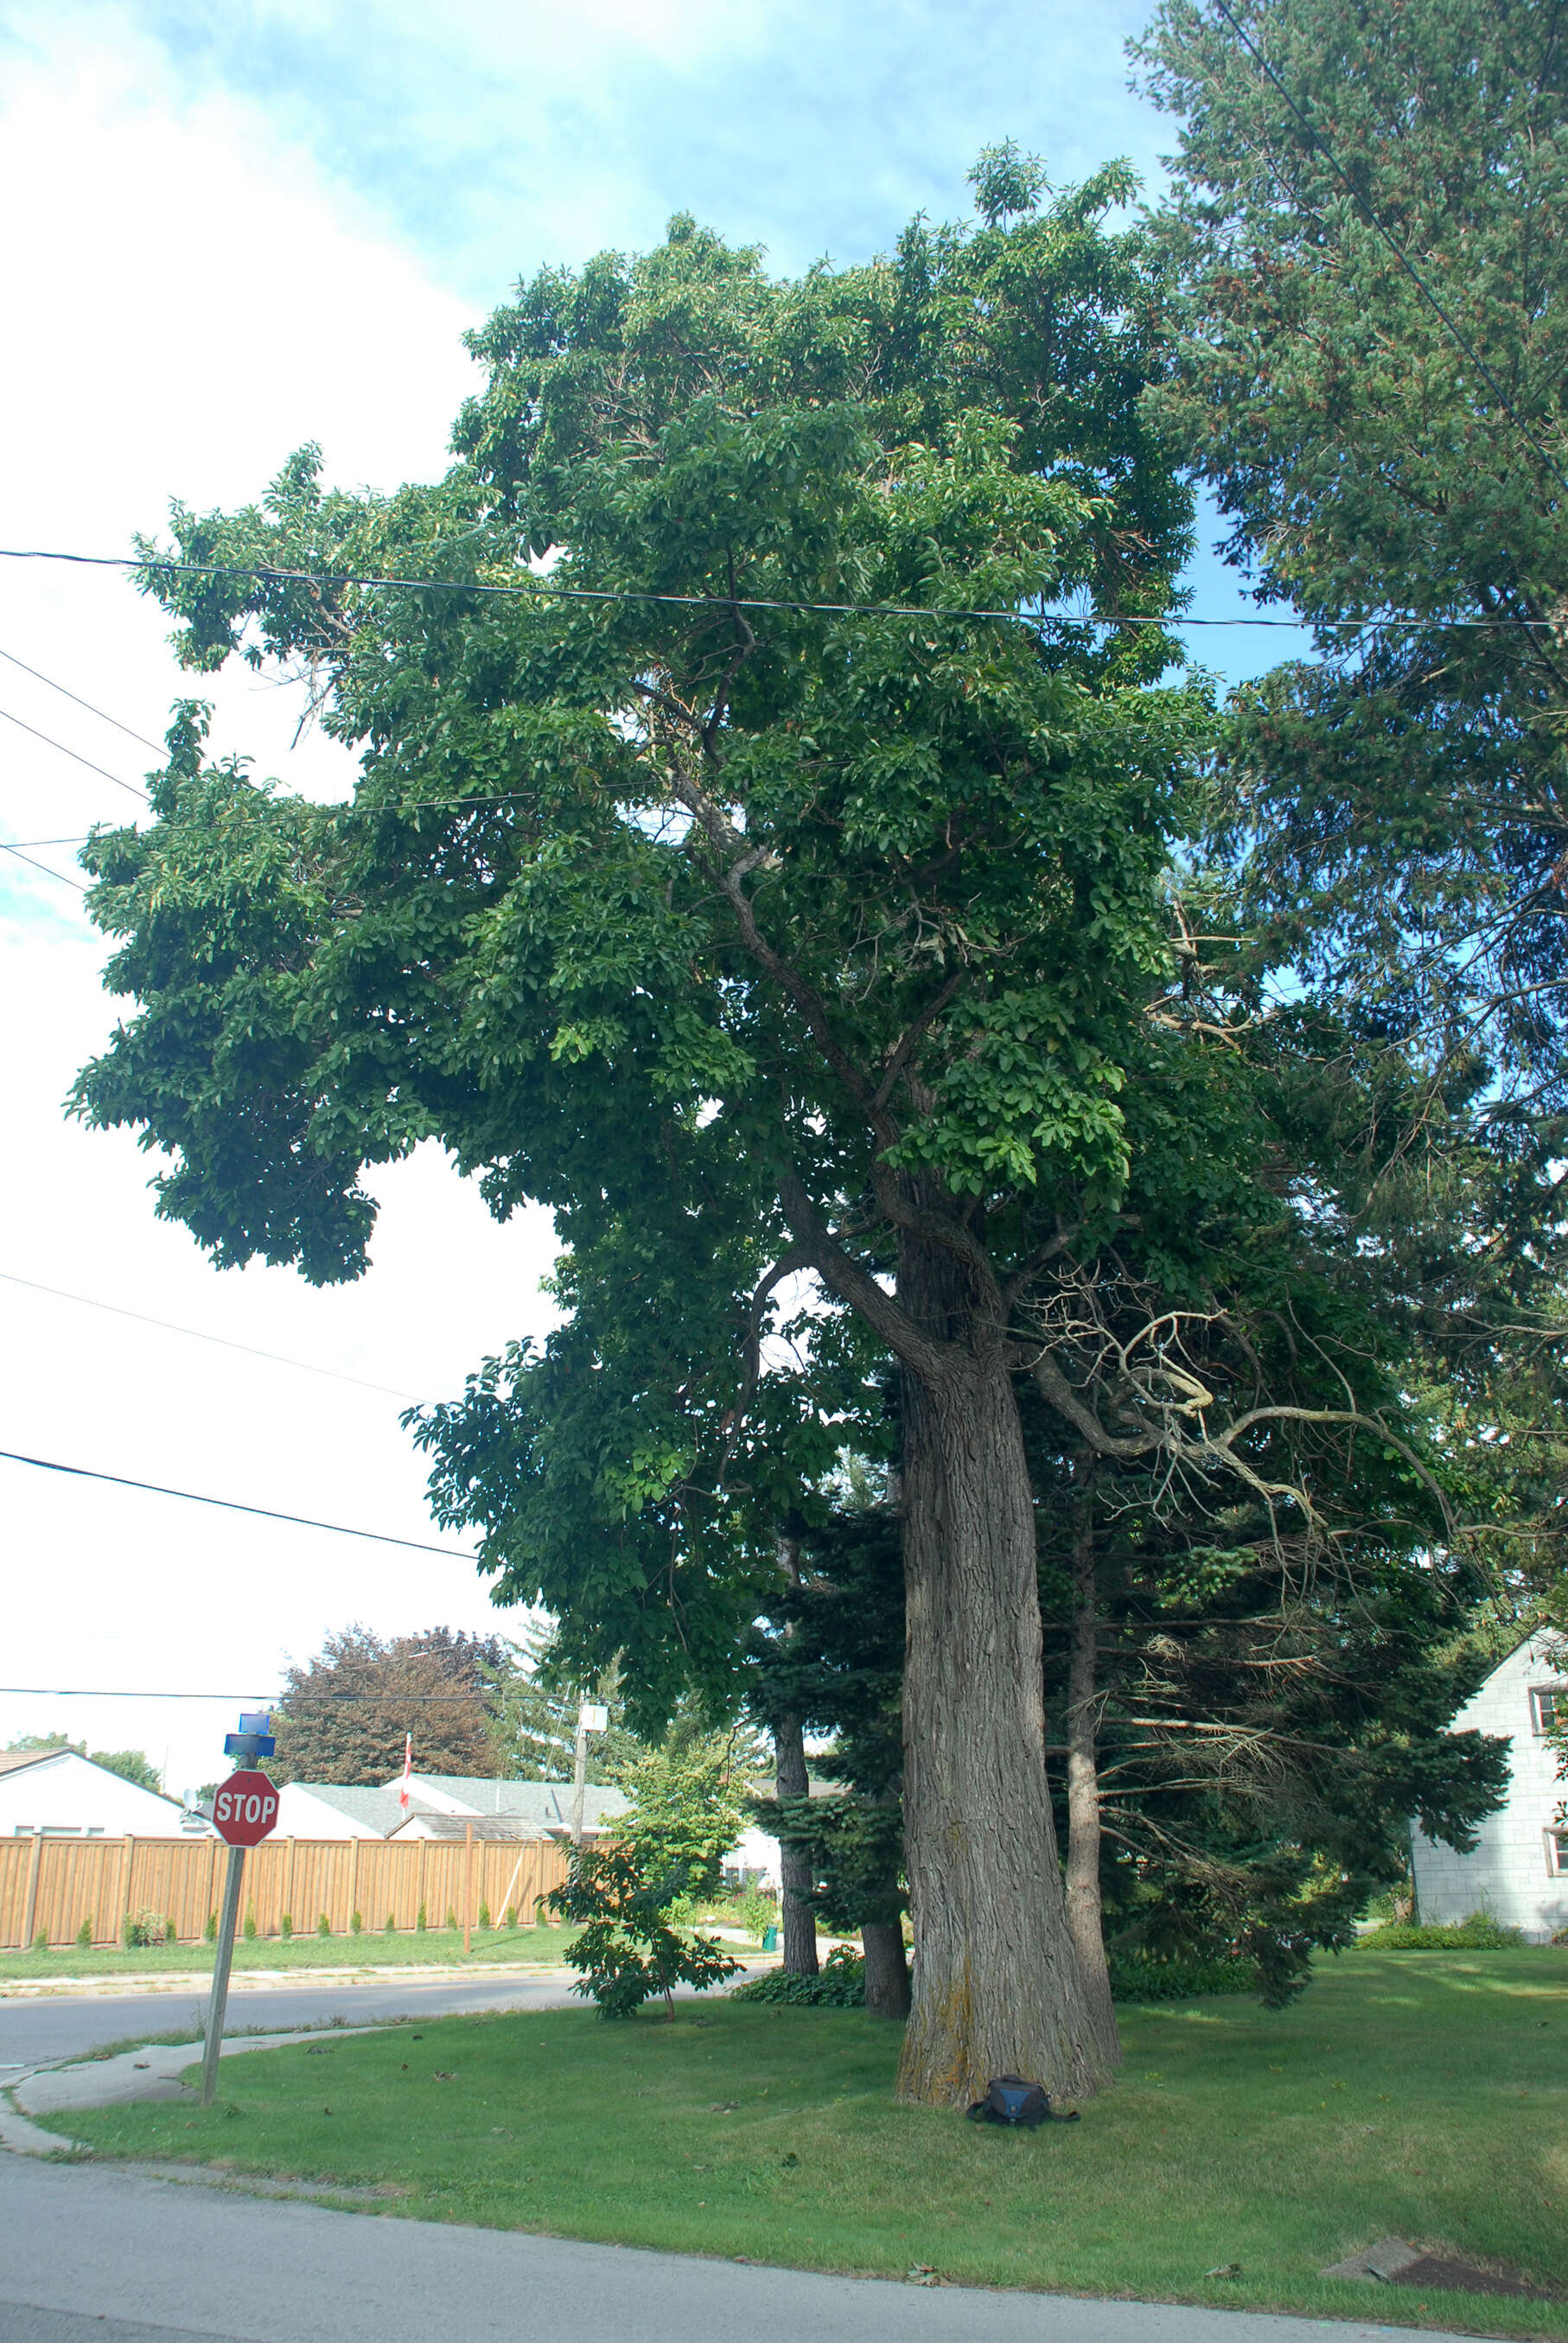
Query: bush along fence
x=116, y=1891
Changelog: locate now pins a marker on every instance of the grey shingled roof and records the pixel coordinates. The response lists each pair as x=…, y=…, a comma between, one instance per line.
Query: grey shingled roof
x=546, y=1805
x=376, y=1807
x=509, y=1830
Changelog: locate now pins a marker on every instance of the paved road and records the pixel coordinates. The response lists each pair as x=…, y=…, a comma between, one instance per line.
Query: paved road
x=119, y=2258
x=34, y=2032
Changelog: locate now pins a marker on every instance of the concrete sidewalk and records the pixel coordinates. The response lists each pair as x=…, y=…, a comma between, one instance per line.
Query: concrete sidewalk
x=90, y=2250
x=54, y=2094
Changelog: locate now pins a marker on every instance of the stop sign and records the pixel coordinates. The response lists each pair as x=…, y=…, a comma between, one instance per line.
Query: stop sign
x=246, y=1809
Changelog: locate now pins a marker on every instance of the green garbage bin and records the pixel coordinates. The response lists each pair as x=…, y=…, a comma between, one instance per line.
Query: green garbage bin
x=771, y=1937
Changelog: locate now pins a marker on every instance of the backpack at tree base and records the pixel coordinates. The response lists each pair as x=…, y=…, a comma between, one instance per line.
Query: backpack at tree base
x=1009, y=2099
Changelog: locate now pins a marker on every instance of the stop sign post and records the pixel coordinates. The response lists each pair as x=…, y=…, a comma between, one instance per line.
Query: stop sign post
x=244, y=1812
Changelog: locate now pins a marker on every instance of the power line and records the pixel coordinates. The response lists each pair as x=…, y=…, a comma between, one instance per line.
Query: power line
x=34, y=864
x=1427, y=295
x=157, y=747
x=277, y=1358
x=545, y=587
x=276, y=1699
x=15, y=845
x=232, y=1505
x=50, y=742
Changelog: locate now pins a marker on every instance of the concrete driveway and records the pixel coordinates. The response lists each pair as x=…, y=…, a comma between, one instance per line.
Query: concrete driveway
x=89, y=2251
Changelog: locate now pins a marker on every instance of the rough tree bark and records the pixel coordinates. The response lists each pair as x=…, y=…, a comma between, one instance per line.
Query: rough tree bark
x=1085, y=1914
x=997, y=1989
x=800, y=1921
x=886, y=1970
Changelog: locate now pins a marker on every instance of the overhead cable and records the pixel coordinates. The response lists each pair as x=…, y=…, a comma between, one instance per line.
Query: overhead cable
x=272, y=1699
x=537, y=588
x=32, y=863
x=277, y=1358
x=232, y=1505
x=50, y=742
x=158, y=748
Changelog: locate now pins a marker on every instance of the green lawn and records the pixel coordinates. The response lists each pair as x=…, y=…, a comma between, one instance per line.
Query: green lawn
x=436, y=1947
x=1423, y=2094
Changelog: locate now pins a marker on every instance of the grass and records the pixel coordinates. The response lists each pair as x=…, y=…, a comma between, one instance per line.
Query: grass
x=1420, y=2094
x=427, y=1948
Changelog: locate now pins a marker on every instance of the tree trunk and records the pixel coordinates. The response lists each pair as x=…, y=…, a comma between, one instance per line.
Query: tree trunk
x=996, y=1978
x=800, y=1930
x=1085, y=1915
x=887, y=1970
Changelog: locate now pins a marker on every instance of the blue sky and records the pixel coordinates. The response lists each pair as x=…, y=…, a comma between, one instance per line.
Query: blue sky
x=492, y=137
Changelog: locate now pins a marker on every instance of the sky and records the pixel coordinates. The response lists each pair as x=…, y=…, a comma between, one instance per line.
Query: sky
x=231, y=230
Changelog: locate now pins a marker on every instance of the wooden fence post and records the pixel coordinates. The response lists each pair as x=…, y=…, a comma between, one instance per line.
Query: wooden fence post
x=126, y=1890
x=30, y=1908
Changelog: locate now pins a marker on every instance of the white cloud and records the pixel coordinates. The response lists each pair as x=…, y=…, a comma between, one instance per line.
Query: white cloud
x=190, y=298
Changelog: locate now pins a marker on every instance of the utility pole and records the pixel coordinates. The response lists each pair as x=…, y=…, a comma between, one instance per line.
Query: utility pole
x=591, y=1718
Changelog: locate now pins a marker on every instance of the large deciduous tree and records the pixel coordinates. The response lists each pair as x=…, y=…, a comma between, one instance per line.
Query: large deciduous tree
x=765, y=938
x=346, y=1715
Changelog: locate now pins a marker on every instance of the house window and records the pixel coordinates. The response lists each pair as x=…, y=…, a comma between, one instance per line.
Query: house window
x=1548, y=1707
x=1557, y=1853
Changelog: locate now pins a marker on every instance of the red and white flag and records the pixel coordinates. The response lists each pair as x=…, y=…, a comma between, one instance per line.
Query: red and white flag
x=408, y=1769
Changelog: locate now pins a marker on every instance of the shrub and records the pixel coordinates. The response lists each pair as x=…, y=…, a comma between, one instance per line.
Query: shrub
x=512, y=1915
x=169, y=1935
x=286, y=1925
x=756, y=1910
x=1477, y=1933
x=485, y=1921
x=355, y=1924
x=210, y=1931
x=421, y=1922
x=84, y=1933
x=322, y=1925
x=1140, y=1977
x=251, y=1931
x=839, y=1983
x=391, y=1929
x=41, y=1941
x=145, y=1928
x=451, y=1918
x=627, y=1951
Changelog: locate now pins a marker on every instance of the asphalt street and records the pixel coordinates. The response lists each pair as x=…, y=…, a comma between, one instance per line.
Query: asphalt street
x=86, y=2251
x=32, y=2033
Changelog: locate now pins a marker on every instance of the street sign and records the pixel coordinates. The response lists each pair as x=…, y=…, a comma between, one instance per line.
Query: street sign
x=592, y=1717
x=245, y=1809
x=248, y=1745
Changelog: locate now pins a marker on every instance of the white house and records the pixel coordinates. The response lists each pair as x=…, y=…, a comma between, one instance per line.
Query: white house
x=440, y=1803
x=525, y=1809
x=1518, y=1871
x=60, y=1794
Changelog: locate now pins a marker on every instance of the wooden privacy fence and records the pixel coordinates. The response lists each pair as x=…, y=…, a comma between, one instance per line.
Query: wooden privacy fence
x=53, y=1886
